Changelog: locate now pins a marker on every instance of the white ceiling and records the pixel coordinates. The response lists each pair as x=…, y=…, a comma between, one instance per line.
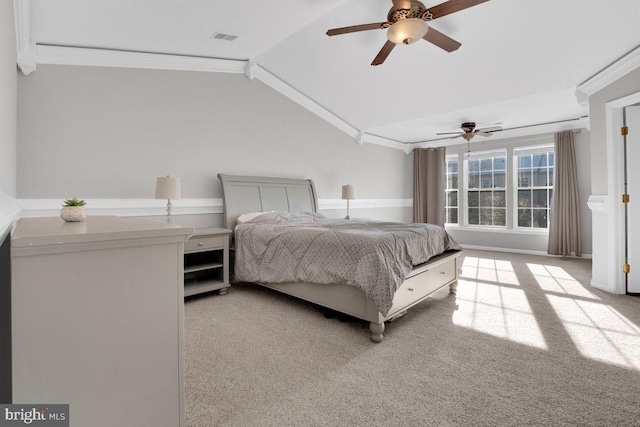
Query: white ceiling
x=519, y=63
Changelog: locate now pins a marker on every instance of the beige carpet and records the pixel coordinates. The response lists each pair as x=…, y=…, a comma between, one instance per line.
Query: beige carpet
x=525, y=342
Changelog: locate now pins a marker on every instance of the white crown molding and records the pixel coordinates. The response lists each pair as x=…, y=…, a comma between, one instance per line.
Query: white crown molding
x=154, y=207
x=613, y=72
x=63, y=55
x=25, y=50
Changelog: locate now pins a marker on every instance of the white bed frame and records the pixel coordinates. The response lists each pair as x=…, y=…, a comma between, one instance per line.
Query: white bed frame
x=244, y=194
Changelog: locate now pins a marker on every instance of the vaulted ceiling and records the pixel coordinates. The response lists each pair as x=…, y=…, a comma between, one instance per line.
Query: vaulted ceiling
x=519, y=64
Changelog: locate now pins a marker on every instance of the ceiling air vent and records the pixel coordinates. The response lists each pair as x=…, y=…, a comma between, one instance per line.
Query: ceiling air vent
x=222, y=36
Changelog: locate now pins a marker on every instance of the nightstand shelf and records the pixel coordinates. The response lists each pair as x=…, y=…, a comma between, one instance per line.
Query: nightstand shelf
x=206, y=261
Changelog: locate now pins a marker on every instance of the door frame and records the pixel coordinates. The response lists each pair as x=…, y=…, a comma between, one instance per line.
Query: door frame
x=615, y=162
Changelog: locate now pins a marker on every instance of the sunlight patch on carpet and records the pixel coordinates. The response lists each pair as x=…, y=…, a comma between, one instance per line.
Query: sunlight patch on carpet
x=556, y=279
x=500, y=311
x=598, y=331
x=489, y=270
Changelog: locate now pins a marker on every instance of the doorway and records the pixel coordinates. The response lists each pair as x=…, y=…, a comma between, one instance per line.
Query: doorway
x=631, y=198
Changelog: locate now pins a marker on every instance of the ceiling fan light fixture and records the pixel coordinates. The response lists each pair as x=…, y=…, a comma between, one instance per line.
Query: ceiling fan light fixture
x=407, y=31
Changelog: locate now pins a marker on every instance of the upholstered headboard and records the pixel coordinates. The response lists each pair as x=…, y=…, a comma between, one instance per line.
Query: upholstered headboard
x=244, y=194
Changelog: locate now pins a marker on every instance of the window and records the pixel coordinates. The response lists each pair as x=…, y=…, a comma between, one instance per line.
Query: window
x=534, y=186
x=451, y=191
x=487, y=191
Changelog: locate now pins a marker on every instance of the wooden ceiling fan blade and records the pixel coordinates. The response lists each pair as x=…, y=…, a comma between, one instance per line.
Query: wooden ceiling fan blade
x=442, y=41
x=401, y=4
x=356, y=28
x=384, y=52
x=452, y=6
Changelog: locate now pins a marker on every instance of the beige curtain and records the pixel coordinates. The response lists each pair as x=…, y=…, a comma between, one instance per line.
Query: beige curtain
x=428, y=185
x=564, y=227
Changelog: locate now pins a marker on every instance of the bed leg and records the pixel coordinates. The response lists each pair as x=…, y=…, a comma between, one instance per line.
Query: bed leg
x=376, y=331
x=453, y=288
x=223, y=291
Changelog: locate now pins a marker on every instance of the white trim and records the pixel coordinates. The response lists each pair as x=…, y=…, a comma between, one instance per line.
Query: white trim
x=519, y=251
x=600, y=286
x=613, y=72
x=9, y=214
x=598, y=202
x=154, y=207
x=25, y=50
x=63, y=55
x=328, y=204
x=615, y=162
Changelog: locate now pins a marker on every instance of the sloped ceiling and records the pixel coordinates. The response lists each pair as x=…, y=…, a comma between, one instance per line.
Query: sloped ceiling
x=519, y=64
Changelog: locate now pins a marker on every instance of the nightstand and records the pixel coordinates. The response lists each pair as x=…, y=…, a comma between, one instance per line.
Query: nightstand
x=206, y=261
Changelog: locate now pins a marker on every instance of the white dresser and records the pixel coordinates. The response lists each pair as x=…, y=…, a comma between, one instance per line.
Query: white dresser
x=97, y=319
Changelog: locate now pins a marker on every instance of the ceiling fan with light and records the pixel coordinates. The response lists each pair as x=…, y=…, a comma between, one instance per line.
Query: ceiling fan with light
x=469, y=131
x=407, y=23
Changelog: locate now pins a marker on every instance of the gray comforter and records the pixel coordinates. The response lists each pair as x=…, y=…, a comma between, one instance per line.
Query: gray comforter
x=374, y=256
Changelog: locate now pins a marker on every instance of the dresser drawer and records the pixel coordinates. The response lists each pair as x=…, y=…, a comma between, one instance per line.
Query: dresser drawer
x=199, y=243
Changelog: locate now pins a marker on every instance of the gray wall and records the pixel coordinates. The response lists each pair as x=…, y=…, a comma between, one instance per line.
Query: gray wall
x=522, y=241
x=8, y=99
x=94, y=132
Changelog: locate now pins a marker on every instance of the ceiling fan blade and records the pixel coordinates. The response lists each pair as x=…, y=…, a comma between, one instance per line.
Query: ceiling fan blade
x=490, y=129
x=401, y=4
x=452, y=6
x=442, y=41
x=355, y=28
x=483, y=133
x=450, y=133
x=384, y=52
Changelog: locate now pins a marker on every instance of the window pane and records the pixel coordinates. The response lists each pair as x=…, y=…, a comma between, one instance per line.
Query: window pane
x=452, y=167
x=550, y=182
x=452, y=198
x=472, y=199
x=474, y=166
x=452, y=215
x=485, y=199
x=474, y=180
x=499, y=199
x=540, y=198
x=539, y=160
x=499, y=217
x=524, y=178
x=486, y=164
x=540, y=177
x=499, y=179
x=551, y=158
x=540, y=218
x=524, y=217
x=486, y=216
x=487, y=180
x=524, y=198
x=474, y=216
x=499, y=163
x=524, y=161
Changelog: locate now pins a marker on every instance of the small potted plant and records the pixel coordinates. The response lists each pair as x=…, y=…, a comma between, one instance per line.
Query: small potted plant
x=73, y=210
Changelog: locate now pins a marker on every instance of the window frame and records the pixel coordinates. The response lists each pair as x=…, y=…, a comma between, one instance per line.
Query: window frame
x=447, y=190
x=480, y=155
x=531, y=150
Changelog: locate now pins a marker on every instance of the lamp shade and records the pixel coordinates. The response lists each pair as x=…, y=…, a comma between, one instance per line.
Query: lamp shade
x=407, y=31
x=168, y=187
x=348, y=192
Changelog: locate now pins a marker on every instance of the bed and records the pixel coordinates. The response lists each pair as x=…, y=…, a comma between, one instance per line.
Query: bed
x=249, y=194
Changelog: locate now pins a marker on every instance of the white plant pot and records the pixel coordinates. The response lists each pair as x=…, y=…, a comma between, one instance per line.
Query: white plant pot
x=73, y=213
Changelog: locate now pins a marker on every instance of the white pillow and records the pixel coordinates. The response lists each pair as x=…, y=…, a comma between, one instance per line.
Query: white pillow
x=248, y=217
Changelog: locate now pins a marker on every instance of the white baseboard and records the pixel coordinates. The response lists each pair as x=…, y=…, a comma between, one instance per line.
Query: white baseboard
x=518, y=251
